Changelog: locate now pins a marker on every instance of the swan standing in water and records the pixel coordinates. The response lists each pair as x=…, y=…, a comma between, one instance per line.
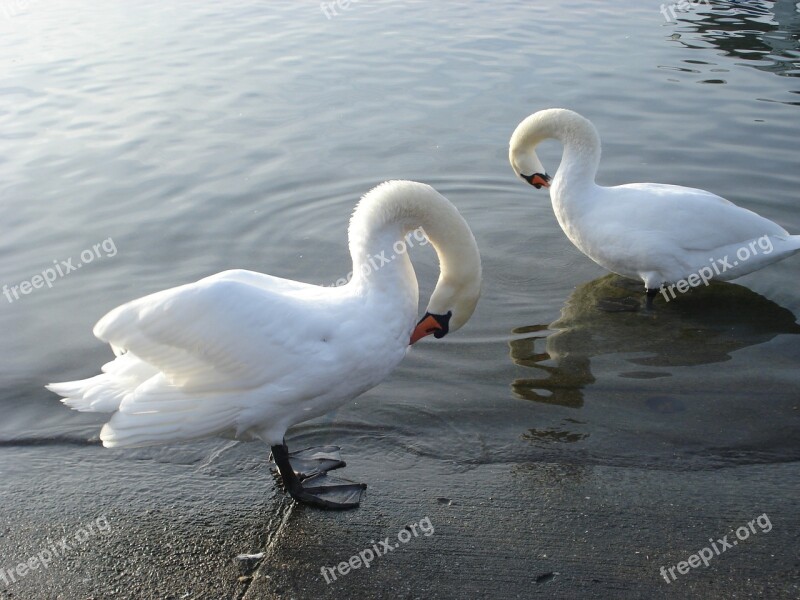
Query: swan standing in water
x=661, y=234
x=246, y=354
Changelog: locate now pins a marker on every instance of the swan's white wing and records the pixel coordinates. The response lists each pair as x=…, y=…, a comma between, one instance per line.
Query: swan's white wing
x=665, y=232
x=235, y=329
x=230, y=352
x=692, y=219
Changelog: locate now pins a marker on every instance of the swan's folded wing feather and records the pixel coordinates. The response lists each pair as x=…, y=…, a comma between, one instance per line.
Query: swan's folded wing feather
x=694, y=219
x=219, y=332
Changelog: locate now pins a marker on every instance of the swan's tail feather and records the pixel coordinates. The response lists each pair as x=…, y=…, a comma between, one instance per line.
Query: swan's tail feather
x=96, y=394
x=148, y=407
x=786, y=245
x=105, y=392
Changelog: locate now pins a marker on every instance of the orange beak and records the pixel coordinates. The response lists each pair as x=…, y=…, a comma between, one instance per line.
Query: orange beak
x=538, y=180
x=426, y=326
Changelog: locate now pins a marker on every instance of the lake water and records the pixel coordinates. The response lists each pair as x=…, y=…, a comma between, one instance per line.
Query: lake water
x=192, y=137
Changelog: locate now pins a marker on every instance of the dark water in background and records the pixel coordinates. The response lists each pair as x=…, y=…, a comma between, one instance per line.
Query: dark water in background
x=200, y=136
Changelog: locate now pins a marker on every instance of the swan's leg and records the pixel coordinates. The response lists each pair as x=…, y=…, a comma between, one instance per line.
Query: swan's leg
x=315, y=461
x=336, y=496
x=651, y=294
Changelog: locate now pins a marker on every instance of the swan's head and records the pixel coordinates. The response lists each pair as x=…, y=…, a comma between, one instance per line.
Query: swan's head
x=395, y=208
x=522, y=154
x=451, y=305
x=576, y=133
x=459, y=286
x=533, y=130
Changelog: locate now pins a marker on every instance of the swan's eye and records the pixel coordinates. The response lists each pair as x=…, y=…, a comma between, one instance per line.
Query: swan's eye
x=538, y=180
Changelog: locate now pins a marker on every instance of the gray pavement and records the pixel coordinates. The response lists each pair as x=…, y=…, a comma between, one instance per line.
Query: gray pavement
x=178, y=518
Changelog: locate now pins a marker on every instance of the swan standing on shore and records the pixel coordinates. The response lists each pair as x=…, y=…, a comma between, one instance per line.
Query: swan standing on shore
x=661, y=234
x=250, y=355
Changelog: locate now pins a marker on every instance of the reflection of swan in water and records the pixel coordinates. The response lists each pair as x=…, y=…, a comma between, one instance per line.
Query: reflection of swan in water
x=702, y=327
x=757, y=30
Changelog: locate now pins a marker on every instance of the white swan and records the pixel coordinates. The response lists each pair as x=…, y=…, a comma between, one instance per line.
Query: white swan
x=662, y=234
x=250, y=355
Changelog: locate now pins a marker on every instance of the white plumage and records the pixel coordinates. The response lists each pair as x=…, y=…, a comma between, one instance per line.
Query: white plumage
x=250, y=355
x=658, y=233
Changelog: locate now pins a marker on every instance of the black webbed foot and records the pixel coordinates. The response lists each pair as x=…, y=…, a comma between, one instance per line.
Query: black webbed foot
x=316, y=461
x=303, y=475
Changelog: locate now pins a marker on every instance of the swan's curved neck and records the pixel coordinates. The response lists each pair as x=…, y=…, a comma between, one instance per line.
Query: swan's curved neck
x=398, y=214
x=579, y=161
x=380, y=258
x=581, y=156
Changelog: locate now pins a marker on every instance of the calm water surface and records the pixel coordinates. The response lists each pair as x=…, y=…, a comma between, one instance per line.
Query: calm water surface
x=200, y=137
